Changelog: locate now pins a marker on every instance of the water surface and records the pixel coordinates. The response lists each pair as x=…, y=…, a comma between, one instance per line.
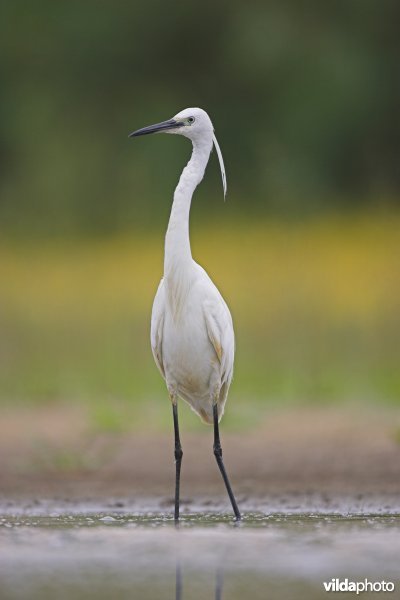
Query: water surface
x=83, y=554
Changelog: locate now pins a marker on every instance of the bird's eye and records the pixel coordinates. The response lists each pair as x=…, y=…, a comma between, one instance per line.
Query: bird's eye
x=191, y=120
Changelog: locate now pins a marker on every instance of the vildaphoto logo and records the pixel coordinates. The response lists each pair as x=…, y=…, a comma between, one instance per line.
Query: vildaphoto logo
x=345, y=585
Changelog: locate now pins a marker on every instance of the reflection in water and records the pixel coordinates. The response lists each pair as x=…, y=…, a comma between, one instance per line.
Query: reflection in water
x=219, y=581
x=178, y=581
x=102, y=556
x=218, y=584
x=219, y=577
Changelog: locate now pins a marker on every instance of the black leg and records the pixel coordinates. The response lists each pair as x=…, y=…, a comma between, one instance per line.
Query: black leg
x=178, y=458
x=218, y=456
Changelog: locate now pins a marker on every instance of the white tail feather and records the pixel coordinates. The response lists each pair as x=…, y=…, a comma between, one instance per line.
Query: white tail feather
x=221, y=164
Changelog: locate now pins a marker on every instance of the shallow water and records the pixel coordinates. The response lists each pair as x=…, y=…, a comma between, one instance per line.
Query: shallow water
x=82, y=554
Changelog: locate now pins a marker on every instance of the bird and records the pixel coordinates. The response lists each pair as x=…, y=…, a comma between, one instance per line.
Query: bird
x=192, y=336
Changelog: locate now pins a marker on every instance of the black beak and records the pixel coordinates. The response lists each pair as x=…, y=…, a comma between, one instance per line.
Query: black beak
x=164, y=126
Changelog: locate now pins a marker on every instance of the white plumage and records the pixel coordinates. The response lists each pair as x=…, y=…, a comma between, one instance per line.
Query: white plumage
x=192, y=335
x=191, y=327
x=193, y=341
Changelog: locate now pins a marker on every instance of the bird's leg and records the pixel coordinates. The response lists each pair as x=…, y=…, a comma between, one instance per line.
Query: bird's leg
x=218, y=456
x=178, y=456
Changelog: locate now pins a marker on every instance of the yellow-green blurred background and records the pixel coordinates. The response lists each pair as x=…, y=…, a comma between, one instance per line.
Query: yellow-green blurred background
x=304, y=97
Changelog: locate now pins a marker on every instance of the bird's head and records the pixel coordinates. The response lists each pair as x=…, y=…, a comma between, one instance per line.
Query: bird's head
x=193, y=123
x=190, y=122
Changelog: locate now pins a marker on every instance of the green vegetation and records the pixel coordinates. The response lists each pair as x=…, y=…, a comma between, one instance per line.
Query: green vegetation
x=304, y=97
x=315, y=309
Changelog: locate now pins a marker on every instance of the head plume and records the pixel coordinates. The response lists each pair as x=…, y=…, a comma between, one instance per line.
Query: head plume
x=221, y=163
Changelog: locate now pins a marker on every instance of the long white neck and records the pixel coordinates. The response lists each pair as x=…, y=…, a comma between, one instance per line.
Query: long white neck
x=177, y=242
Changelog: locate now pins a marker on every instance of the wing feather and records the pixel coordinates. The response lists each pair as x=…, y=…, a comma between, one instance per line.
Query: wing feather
x=220, y=332
x=157, y=327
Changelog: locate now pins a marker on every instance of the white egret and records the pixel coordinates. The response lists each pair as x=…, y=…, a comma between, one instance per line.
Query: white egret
x=192, y=336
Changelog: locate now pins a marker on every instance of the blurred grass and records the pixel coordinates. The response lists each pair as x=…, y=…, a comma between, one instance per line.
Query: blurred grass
x=315, y=307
